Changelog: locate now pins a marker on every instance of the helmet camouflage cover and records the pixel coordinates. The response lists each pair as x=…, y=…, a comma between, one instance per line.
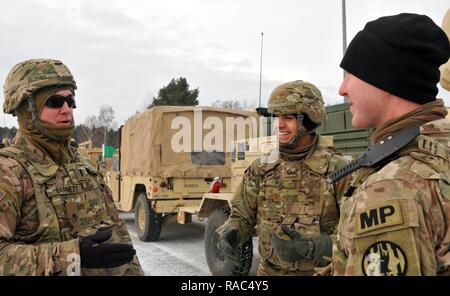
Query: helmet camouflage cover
x=27, y=77
x=298, y=97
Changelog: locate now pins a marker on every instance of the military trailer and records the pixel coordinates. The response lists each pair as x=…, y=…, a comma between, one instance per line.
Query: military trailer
x=168, y=158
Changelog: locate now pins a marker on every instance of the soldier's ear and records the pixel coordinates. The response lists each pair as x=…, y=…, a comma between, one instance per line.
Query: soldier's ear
x=308, y=124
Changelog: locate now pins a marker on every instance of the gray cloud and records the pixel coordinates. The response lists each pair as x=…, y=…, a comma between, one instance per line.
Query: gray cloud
x=121, y=51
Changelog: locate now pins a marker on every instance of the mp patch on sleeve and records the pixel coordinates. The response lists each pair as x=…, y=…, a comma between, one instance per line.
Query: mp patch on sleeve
x=379, y=216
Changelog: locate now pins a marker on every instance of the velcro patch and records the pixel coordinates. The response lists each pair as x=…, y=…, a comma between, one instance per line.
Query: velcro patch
x=68, y=189
x=384, y=215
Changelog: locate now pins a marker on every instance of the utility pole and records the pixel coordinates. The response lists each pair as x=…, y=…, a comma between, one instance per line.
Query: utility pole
x=260, y=69
x=344, y=34
x=344, y=28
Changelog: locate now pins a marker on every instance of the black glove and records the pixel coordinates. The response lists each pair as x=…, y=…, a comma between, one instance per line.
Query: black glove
x=302, y=247
x=95, y=253
x=229, y=241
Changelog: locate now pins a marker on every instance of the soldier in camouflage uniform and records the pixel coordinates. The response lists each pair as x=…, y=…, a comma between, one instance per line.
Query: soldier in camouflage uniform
x=288, y=194
x=57, y=216
x=395, y=216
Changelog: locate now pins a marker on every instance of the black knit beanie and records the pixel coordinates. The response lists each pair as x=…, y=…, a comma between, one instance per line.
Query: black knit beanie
x=400, y=54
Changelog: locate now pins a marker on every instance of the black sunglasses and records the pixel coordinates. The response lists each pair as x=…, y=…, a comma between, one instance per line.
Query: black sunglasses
x=57, y=101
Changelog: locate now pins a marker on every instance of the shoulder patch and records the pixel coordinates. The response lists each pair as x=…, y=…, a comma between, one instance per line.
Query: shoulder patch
x=384, y=258
x=387, y=214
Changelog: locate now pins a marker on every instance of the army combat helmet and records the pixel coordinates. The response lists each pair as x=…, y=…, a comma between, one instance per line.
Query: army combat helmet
x=27, y=77
x=302, y=99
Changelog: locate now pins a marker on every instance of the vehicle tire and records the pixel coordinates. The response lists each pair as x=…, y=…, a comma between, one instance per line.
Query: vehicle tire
x=214, y=255
x=147, y=221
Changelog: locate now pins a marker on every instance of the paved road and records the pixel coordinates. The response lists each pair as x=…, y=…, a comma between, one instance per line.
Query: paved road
x=179, y=250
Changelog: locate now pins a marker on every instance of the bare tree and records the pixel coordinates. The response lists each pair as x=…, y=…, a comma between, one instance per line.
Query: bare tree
x=95, y=128
x=105, y=120
x=145, y=103
x=232, y=104
x=88, y=128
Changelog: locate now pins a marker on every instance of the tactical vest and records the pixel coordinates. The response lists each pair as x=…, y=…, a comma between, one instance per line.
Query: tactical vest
x=295, y=193
x=431, y=147
x=72, y=200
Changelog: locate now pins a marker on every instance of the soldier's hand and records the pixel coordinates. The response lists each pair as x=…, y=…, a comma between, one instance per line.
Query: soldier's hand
x=95, y=253
x=229, y=241
x=301, y=247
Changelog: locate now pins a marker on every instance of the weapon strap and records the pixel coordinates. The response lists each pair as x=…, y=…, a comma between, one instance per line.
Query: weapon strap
x=382, y=151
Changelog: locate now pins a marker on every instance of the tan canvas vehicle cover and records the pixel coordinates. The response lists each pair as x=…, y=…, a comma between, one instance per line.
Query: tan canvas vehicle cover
x=147, y=136
x=445, y=69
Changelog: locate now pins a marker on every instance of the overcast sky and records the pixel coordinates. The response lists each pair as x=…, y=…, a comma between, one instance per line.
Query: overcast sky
x=123, y=51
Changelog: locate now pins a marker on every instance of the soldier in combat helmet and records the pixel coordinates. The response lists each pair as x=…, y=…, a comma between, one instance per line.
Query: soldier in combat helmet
x=289, y=194
x=57, y=216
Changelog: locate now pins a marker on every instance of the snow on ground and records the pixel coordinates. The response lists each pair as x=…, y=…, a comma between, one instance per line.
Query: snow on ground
x=179, y=250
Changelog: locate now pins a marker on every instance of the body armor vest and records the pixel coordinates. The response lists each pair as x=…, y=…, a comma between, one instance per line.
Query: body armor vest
x=72, y=200
x=295, y=193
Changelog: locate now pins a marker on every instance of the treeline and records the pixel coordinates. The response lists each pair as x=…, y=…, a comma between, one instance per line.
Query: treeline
x=81, y=134
x=7, y=133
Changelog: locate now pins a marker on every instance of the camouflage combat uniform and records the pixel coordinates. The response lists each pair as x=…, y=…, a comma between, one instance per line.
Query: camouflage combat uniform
x=44, y=206
x=289, y=192
x=396, y=222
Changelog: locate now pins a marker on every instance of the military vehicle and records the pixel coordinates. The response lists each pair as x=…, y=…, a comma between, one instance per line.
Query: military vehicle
x=347, y=139
x=168, y=158
x=95, y=155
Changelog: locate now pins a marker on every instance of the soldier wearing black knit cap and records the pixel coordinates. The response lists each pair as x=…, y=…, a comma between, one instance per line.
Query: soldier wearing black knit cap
x=395, y=219
x=395, y=216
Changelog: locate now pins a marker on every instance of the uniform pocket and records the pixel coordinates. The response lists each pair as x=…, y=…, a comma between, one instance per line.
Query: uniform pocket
x=308, y=225
x=266, y=228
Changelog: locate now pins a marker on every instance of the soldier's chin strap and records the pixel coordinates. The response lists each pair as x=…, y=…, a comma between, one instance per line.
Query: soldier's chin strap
x=378, y=153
